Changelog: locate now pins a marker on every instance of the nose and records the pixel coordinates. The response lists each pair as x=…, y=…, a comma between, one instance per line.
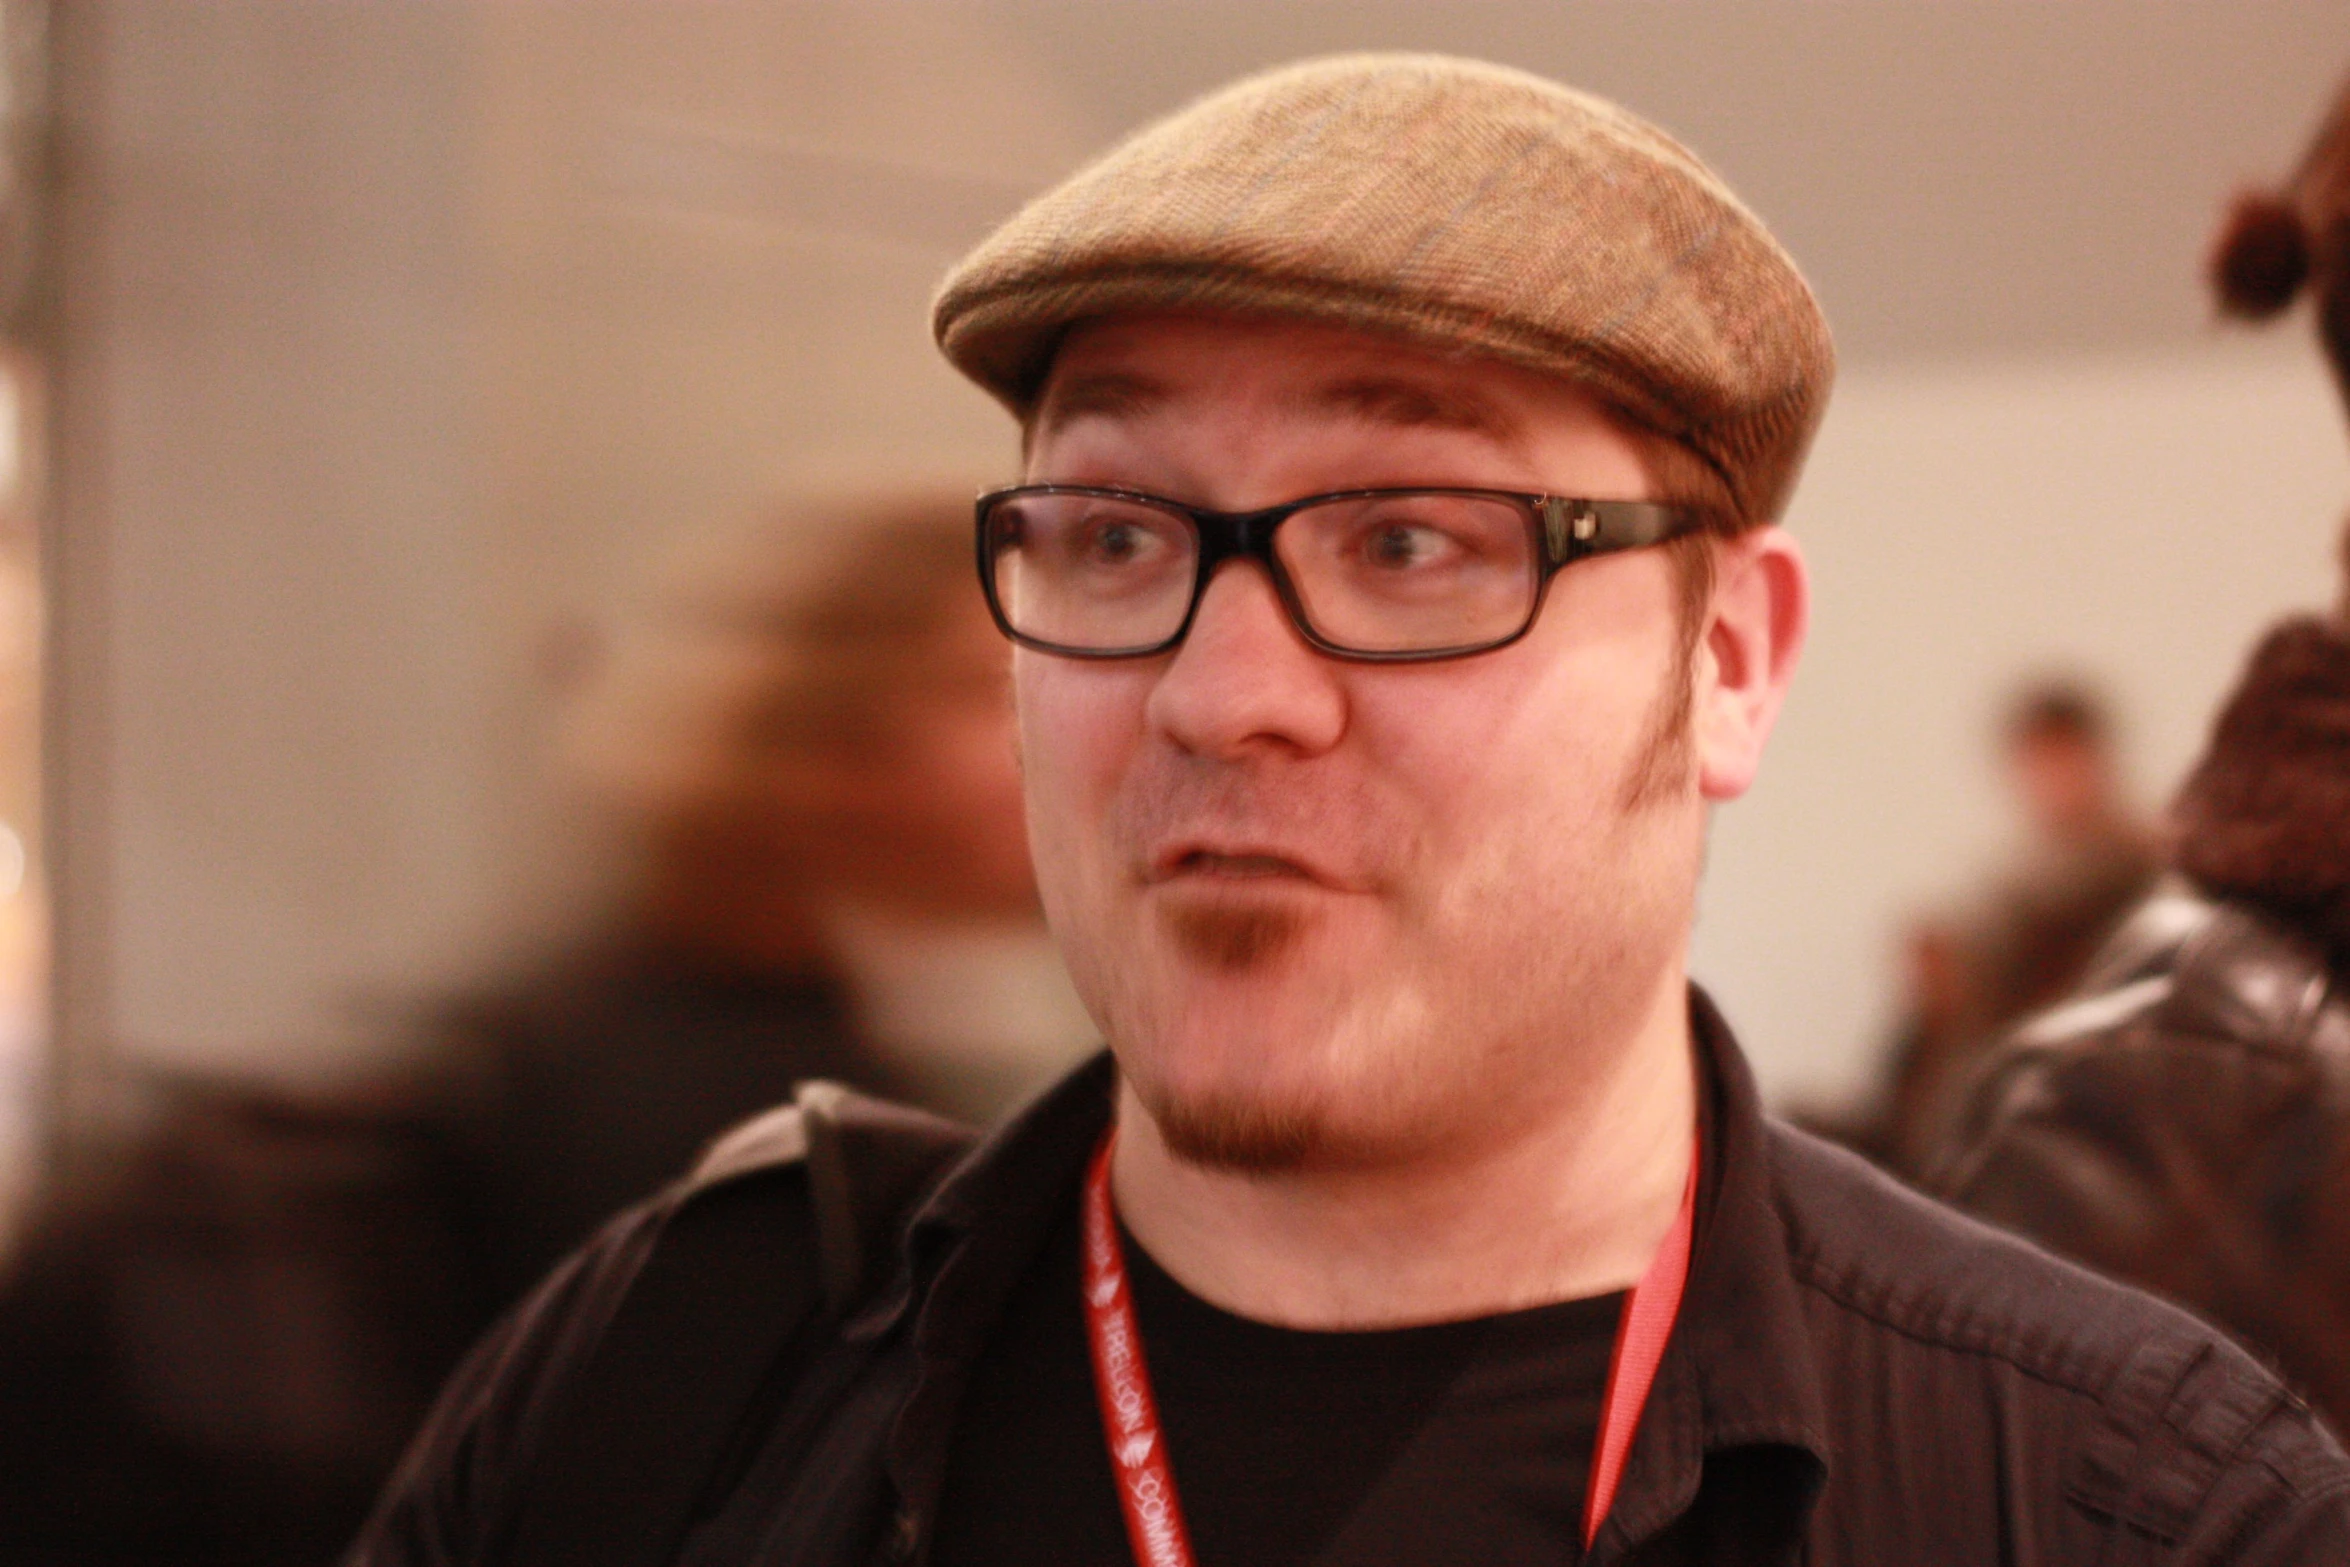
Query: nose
x=1244, y=681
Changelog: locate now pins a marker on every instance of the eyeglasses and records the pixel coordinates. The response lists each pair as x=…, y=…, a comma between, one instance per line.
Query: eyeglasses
x=1386, y=576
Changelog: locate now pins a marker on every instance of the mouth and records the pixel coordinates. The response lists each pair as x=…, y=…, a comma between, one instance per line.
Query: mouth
x=1195, y=862
x=1237, y=867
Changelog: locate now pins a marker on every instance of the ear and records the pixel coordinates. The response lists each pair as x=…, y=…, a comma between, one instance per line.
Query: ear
x=1746, y=656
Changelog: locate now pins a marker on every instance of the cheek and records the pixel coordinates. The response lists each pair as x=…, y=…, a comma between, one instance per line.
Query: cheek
x=1080, y=725
x=1523, y=782
x=1530, y=817
x=1550, y=750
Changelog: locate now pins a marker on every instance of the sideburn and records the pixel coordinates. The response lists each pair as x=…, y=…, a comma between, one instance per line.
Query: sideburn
x=1666, y=757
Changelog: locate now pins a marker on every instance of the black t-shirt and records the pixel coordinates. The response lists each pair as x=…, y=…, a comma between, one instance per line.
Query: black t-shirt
x=1455, y=1442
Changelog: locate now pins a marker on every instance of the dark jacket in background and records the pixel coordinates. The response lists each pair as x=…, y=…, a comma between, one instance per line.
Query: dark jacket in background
x=1858, y=1376
x=211, y=1352
x=575, y=1093
x=2185, y=1122
x=215, y=1351
x=2182, y=1125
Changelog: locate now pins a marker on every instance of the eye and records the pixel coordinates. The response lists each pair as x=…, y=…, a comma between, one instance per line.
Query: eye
x=1110, y=541
x=1118, y=542
x=1396, y=544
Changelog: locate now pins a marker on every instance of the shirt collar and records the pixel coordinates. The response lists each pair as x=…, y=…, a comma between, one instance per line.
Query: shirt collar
x=1739, y=1385
x=1004, y=1194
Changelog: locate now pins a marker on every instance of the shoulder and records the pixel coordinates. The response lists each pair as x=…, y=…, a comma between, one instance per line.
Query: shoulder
x=2145, y=1413
x=2203, y=1027
x=824, y=1182
x=789, y=1214
x=825, y=1121
x=2201, y=1022
x=865, y=1160
x=2193, y=973
x=1868, y=1247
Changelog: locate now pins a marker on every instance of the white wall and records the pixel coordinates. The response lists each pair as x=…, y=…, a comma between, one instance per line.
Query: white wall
x=2137, y=518
x=272, y=639
x=409, y=339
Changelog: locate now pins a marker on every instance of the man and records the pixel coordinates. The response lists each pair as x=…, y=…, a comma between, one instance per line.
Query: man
x=2184, y=1121
x=2084, y=861
x=2022, y=939
x=1395, y=587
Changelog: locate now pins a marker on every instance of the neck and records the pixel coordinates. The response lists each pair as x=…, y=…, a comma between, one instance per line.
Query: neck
x=1571, y=1203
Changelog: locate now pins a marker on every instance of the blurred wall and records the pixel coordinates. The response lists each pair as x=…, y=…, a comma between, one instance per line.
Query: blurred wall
x=2132, y=516
x=402, y=340
x=273, y=640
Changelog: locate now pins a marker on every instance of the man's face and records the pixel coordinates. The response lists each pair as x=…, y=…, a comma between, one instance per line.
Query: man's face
x=1332, y=912
x=2064, y=782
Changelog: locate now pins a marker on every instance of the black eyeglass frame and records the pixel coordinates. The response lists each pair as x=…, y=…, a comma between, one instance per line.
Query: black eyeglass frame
x=1565, y=529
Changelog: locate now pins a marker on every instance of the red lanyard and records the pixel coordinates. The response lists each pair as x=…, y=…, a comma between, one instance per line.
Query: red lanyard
x=1130, y=1416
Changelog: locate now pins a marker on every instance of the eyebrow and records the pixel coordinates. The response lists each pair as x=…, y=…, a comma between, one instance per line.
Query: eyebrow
x=1391, y=401
x=1409, y=404
x=1109, y=394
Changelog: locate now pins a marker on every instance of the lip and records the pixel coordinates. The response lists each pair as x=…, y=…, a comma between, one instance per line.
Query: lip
x=1238, y=863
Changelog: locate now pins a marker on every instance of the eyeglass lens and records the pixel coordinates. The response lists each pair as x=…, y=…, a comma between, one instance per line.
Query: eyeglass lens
x=1398, y=573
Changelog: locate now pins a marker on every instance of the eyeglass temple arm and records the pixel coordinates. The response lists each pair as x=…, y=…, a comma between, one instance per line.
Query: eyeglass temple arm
x=1572, y=529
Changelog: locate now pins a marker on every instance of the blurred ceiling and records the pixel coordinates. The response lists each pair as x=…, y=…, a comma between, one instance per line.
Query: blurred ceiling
x=1958, y=176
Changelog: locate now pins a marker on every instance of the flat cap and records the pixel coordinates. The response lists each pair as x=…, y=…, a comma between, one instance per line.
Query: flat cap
x=1469, y=207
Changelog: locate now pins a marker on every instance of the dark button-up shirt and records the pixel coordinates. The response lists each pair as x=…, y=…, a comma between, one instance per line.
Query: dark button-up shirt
x=1858, y=1376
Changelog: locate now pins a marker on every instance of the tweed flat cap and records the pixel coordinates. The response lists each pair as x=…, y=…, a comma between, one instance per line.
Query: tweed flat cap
x=1470, y=207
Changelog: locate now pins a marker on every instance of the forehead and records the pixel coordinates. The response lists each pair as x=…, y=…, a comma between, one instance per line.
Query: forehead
x=1176, y=370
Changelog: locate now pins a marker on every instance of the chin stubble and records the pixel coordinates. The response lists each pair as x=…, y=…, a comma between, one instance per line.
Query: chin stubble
x=1233, y=939
x=1237, y=1136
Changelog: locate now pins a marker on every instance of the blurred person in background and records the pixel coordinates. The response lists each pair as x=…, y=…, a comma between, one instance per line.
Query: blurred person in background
x=2184, y=1121
x=213, y=1353
x=808, y=742
x=2085, y=860
x=2025, y=938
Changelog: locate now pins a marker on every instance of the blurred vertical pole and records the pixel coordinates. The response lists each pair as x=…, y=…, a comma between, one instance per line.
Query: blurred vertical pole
x=268, y=546
x=53, y=319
